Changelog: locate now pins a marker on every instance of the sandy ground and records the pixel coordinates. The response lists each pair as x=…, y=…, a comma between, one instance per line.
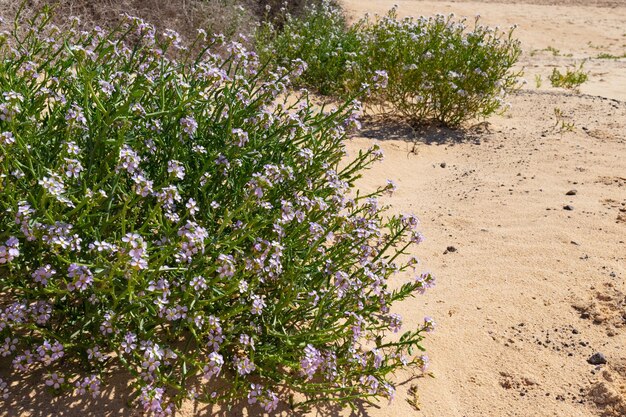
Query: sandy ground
x=532, y=290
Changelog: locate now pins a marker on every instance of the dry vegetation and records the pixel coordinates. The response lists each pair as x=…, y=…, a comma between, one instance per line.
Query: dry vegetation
x=229, y=17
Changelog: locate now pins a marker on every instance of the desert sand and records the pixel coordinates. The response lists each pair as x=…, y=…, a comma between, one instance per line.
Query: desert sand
x=532, y=290
x=527, y=291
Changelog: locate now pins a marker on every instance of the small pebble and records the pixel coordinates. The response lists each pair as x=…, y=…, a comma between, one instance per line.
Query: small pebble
x=597, y=359
x=571, y=192
x=449, y=249
x=568, y=207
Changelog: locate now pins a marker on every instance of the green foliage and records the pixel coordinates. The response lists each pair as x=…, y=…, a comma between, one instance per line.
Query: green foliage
x=320, y=37
x=171, y=213
x=605, y=55
x=571, y=79
x=561, y=124
x=437, y=67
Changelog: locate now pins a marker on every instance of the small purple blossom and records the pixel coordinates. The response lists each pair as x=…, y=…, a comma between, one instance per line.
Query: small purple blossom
x=310, y=362
x=4, y=389
x=83, y=278
x=243, y=365
x=214, y=366
x=429, y=324
x=89, y=385
x=43, y=274
x=10, y=250
x=241, y=137
x=258, y=303
x=7, y=138
x=54, y=380
x=189, y=125
x=76, y=117
x=176, y=169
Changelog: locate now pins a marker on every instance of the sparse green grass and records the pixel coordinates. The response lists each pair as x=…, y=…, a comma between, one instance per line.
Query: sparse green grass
x=561, y=125
x=571, y=79
x=538, y=80
x=552, y=50
x=555, y=52
x=605, y=55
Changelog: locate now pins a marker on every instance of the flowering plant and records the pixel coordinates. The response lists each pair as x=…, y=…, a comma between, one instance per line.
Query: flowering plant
x=437, y=68
x=320, y=36
x=170, y=212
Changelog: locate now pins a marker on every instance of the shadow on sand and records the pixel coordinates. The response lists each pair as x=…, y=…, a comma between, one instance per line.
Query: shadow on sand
x=31, y=398
x=434, y=133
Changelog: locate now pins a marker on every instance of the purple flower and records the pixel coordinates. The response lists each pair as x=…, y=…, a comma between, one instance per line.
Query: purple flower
x=83, y=277
x=226, y=269
x=370, y=381
x=4, y=389
x=151, y=399
x=42, y=274
x=54, y=380
x=214, y=366
x=256, y=390
x=269, y=402
x=395, y=322
x=75, y=116
x=49, y=353
x=9, y=346
x=72, y=168
x=429, y=324
x=378, y=358
x=106, y=87
x=243, y=365
x=257, y=305
x=189, y=125
x=246, y=340
x=6, y=138
x=176, y=169
x=138, y=250
x=310, y=362
x=241, y=136
x=380, y=79
x=198, y=283
x=424, y=281
x=129, y=343
x=88, y=385
x=10, y=250
x=192, y=206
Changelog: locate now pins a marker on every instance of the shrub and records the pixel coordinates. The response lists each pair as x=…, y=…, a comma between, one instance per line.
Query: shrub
x=177, y=216
x=571, y=79
x=320, y=37
x=437, y=67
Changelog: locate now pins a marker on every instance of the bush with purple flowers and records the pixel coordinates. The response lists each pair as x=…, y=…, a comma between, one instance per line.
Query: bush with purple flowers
x=169, y=212
x=438, y=68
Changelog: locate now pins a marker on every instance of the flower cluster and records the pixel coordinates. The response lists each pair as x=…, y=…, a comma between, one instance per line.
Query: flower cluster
x=185, y=218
